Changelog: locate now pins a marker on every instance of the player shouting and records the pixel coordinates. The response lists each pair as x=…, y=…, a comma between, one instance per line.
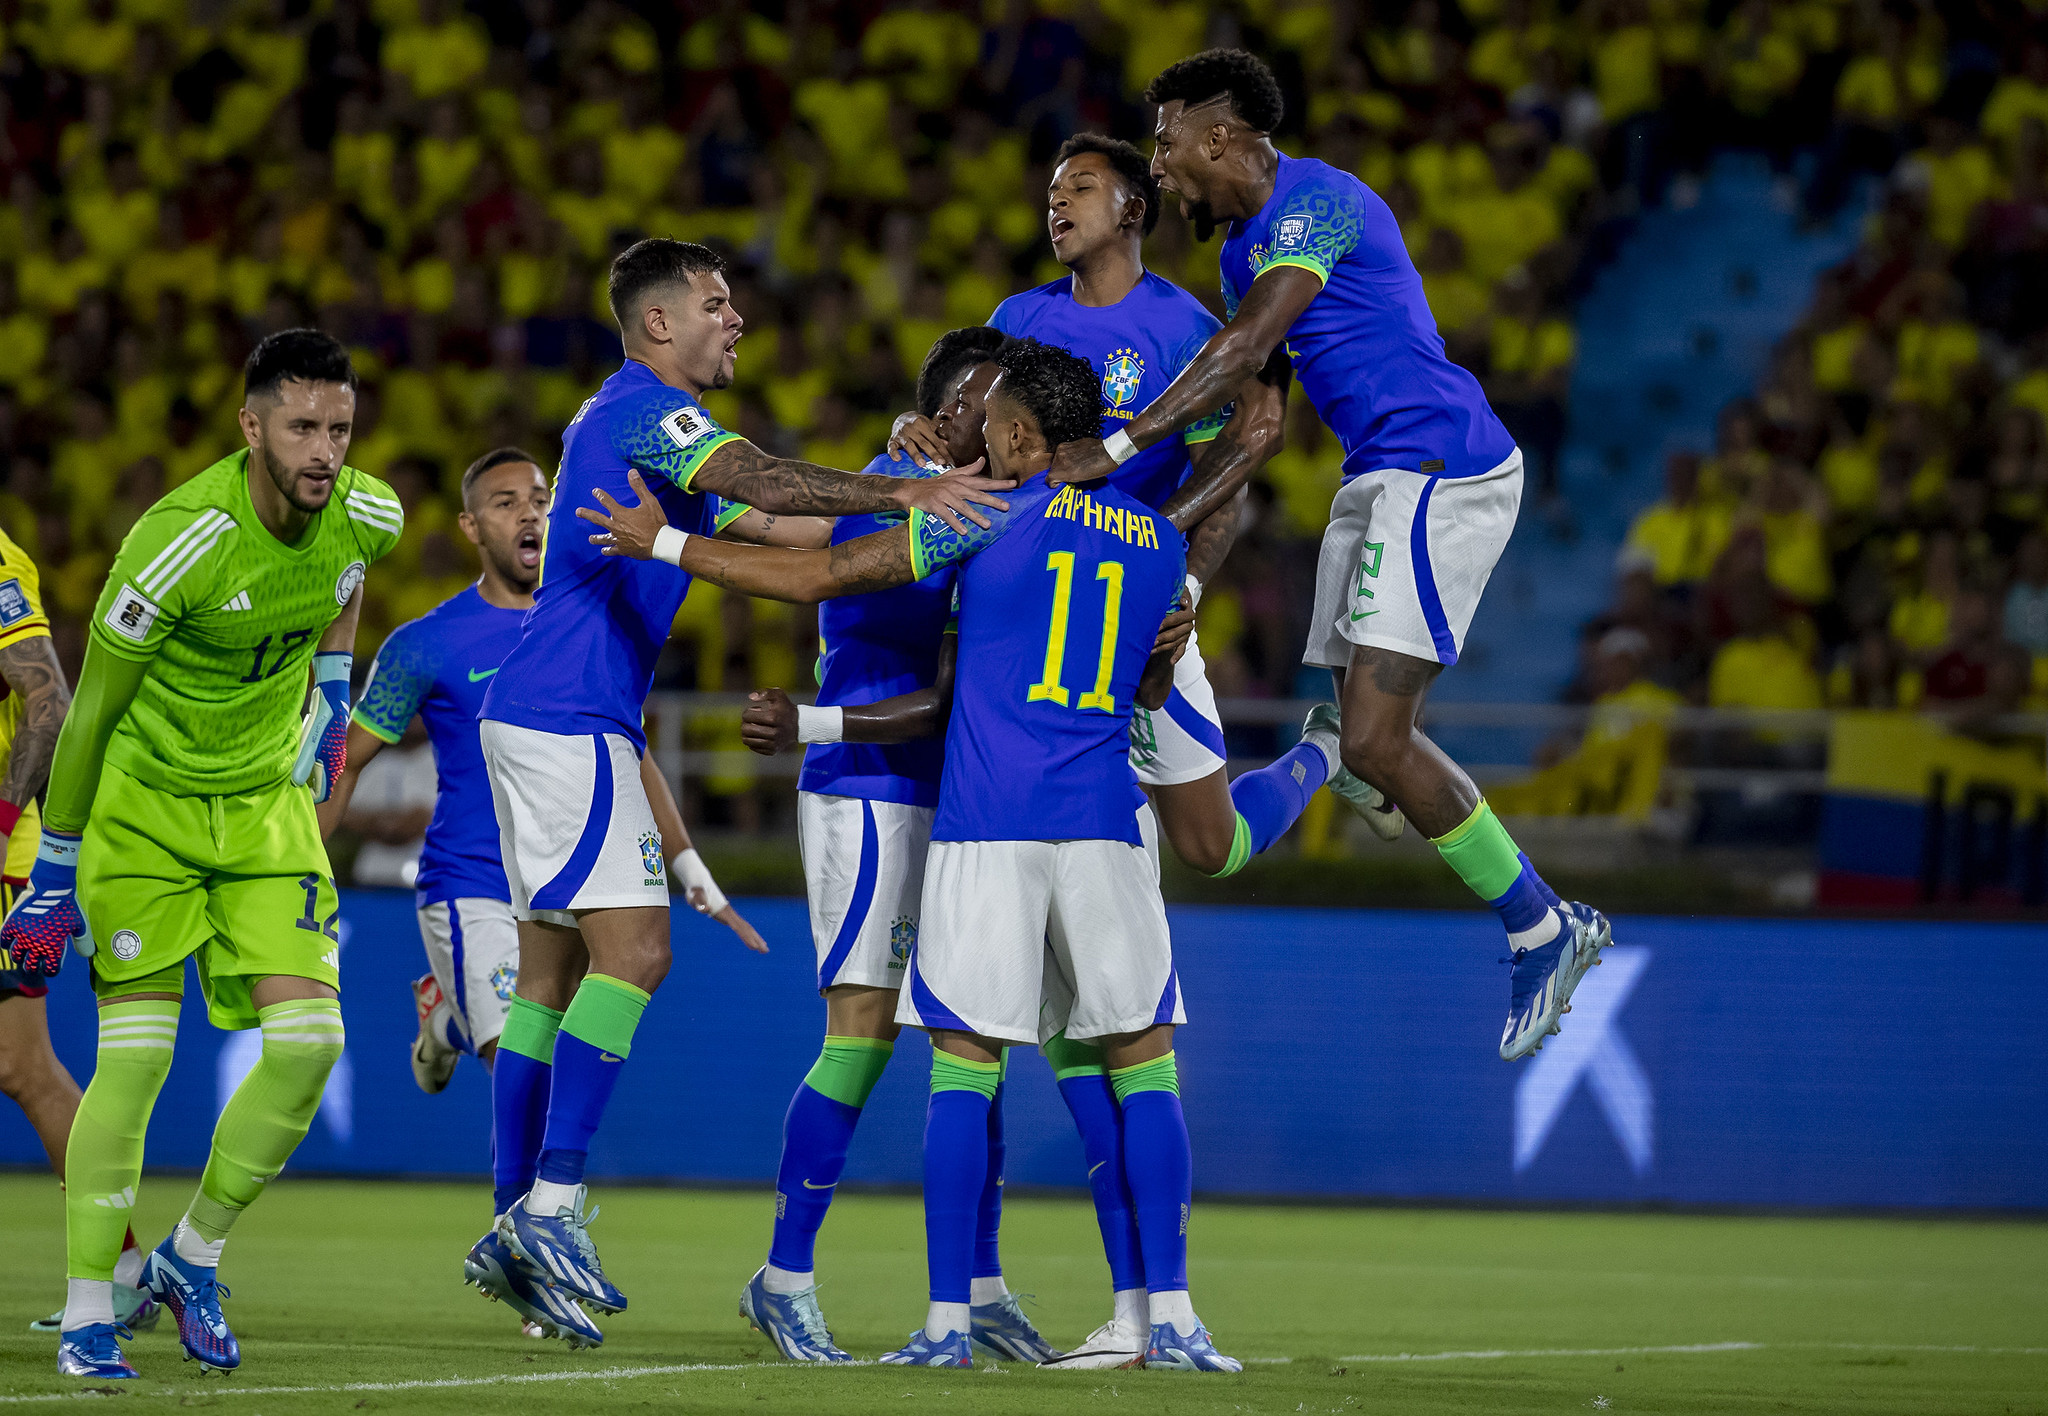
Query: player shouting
x=438, y=666
x=178, y=826
x=561, y=722
x=1041, y=909
x=1314, y=264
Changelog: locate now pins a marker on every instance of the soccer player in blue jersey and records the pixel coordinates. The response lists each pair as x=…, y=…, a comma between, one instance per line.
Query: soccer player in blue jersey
x=864, y=814
x=1041, y=908
x=1314, y=264
x=561, y=724
x=438, y=667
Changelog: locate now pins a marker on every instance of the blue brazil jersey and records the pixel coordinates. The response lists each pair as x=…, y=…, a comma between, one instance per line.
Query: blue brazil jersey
x=873, y=647
x=439, y=666
x=1060, y=602
x=1138, y=346
x=585, y=657
x=1366, y=350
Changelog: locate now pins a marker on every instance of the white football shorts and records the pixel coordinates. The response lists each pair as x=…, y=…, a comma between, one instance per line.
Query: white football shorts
x=1182, y=742
x=1405, y=560
x=473, y=949
x=1023, y=938
x=574, y=826
x=864, y=873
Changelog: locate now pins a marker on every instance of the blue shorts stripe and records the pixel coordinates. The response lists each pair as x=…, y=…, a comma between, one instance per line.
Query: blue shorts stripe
x=863, y=899
x=1425, y=579
x=461, y=970
x=1168, y=996
x=930, y=1011
x=558, y=892
x=1208, y=734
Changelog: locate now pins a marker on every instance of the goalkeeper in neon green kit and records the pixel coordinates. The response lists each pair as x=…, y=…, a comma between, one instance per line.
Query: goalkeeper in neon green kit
x=179, y=824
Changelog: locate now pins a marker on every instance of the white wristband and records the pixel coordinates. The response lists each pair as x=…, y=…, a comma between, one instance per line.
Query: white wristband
x=692, y=874
x=668, y=545
x=1120, y=447
x=820, y=724
x=1194, y=593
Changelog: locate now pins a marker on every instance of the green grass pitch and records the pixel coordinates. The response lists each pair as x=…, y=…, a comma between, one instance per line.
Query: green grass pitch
x=347, y=1297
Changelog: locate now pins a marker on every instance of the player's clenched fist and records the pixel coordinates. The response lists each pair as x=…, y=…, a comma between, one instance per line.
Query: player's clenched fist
x=46, y=917
x=324, y=740
x=768, y=724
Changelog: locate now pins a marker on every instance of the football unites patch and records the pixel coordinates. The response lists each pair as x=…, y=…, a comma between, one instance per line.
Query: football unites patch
x=14, y=605
x=1290, y=233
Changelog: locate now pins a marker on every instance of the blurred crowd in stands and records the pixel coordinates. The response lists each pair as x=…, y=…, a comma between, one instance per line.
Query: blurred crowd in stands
x=443, y=185
x=1870, y=528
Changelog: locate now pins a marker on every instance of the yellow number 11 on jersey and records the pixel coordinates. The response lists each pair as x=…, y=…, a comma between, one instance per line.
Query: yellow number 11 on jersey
x=1061, y=564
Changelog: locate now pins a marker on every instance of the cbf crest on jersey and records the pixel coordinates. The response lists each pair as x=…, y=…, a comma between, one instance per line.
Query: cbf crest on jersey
x=1121, y=375
x=1290, y=233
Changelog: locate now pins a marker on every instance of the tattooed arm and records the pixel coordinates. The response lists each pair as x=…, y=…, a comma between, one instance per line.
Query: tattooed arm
x=32, y=672
x=741, y=472
x=1226, y=462
x=878, y=562
x=764, y=528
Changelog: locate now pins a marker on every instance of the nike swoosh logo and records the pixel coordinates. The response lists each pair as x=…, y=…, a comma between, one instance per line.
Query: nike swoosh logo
x=809, y=1186
x=1095, y=1167
x=475, y=677
x=1361, y=615
x=607, y=1057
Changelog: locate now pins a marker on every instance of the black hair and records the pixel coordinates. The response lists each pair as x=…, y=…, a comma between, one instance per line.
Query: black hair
x=304, y=355
x=1215, y=73
x=1062, y=393
x=951, y=354
x=1130, y=164
x=655, y=261
x=496, y=457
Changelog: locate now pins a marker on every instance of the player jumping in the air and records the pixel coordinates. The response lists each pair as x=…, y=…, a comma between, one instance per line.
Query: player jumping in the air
x=31, y=713
x=562, y=721
x=178, y=825
x=1041, y=909
x=438, y=667
x=1314, y=263
x=864, y=815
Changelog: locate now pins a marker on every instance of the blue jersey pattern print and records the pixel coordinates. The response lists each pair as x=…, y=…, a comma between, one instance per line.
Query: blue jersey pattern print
x=1137, y=347
x=1060, y=602
x=873, y=647
x=1366, y=349
x=440, y=666
x=585, y=658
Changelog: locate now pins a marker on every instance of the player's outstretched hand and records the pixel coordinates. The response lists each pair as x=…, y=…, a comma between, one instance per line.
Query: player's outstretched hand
x=919, y=436
x=46, y=917
x=1080, y=461
x=735, y=921
x=954, y=497
x=768, y=723
x=628, y=530
x=1176, y=630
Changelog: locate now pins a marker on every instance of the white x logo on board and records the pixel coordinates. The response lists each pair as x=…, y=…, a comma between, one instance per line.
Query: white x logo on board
x=1590, y=1047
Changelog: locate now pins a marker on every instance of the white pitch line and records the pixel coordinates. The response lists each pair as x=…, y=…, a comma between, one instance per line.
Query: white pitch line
x=227, y=1387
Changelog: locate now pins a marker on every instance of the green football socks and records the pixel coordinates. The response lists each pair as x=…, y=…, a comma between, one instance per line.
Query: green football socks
x=103, y=1160
x=848, y=1068
x=270, y=1112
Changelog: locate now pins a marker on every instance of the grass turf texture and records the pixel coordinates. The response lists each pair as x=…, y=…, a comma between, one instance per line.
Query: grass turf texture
x=353, y=1290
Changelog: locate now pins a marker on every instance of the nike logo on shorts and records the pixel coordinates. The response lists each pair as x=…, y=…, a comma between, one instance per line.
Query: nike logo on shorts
x=1361, y=614
x=475, y=677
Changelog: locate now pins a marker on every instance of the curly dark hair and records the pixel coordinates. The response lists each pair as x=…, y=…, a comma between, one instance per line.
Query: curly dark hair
x=951, y=353
x=1129, y=164
x=1254, y=92
x=1060, y=392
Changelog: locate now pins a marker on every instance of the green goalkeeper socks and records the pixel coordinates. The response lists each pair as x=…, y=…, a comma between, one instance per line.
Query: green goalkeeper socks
x=269, y=1114
x=103, y=1161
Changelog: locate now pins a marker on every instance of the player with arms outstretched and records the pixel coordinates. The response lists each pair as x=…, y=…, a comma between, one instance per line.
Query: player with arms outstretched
x=178, y=825
x=562, y=730
x=1041, y=909
x=1314, y=264
x=438, y=666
